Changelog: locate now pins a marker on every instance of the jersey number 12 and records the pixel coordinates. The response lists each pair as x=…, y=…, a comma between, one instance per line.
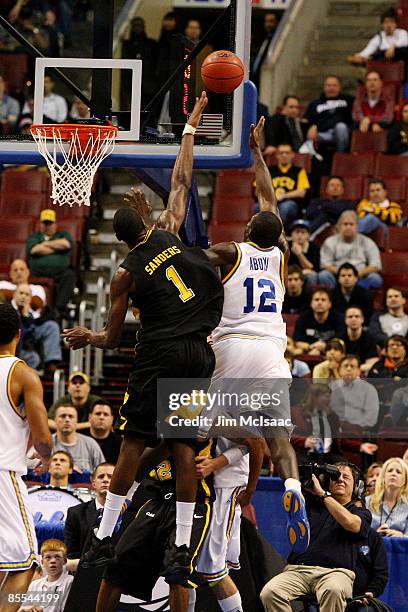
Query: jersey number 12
x=268, y=294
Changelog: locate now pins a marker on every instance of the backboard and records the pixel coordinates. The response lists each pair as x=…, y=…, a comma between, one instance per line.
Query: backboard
x=151, y=140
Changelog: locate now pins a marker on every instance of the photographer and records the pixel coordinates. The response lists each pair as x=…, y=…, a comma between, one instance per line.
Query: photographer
x=327, y=567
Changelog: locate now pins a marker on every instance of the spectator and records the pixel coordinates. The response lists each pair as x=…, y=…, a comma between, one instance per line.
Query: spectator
x=259, y=52
x=81, y=518
x=298, y=368
x=350, y=246
x=371, y=572
x=329, y=369
x=354, y=400
x=36, y=36
x=393, y=320
x=319, y=324
x=377, y=211
x=394, y=364
x=327, y=568
x=79, y=395
x=56, y=582
x=101, y=430
x=19, y=273
x=290, y=183
x=285, y=126
x=349, y=293
x=329, y=116
x=9, y=109
x=84, y=451
x=55, y=107
x=139, y=46
x=399, y=406
x=358, y=341
x=36, y=331
x=397, y=136
x=296, y=299
x=371, y=478
x=303, y=253
x=60, y=469
x=49, y=253
x=164, y=46
x=373, y=109
x=389, y=502
x=318, y=430
x=79, y=109
x=388, y=44
x=328, y=209
x=193, y=32
x=50, y=27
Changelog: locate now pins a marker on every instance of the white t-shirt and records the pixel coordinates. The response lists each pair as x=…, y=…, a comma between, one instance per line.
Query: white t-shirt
x=61, y=587
x=382, y=42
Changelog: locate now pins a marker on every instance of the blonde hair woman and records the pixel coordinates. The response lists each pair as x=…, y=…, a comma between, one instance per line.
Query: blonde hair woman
x=389, y=502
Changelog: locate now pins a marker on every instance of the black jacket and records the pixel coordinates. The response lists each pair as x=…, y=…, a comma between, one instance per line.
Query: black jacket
x=360, y=297
x=277, y=130
x=327, y=112
x=80, y=519
x=397, y=139
x=372, y=566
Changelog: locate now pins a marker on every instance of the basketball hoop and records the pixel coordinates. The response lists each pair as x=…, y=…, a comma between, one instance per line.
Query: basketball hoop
x=73, y=167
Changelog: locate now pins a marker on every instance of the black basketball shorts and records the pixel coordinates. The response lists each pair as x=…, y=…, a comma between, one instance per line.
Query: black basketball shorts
x=184, y=357
x=139, y=554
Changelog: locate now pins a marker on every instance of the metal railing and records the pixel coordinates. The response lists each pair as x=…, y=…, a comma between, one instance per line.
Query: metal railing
x=287, y=50
x=90, y=359
x=59, y=385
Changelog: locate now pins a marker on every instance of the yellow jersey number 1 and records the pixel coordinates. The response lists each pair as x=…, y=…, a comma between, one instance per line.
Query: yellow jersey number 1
x=185, y=293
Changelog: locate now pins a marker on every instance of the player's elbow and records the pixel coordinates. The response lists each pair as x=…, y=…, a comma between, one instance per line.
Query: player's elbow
x=43, y=444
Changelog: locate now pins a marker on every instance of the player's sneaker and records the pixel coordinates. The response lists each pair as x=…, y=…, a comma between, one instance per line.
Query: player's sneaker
x=176, y=565
x=100, y=553
x=298, y=529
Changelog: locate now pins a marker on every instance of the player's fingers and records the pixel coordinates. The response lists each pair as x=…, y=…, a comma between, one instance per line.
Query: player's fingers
x=200, y=459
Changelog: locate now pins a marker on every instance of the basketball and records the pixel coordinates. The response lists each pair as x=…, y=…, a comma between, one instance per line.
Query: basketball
x=222, y=71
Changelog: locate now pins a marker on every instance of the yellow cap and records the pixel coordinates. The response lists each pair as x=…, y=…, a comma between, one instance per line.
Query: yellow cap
x=48, y=215
x=82, y=375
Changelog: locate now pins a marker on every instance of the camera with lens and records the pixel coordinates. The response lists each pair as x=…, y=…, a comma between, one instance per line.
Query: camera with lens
x=325, y=470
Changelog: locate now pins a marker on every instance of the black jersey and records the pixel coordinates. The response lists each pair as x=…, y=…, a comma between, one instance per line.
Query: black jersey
x=177, y=290
x=165, y=472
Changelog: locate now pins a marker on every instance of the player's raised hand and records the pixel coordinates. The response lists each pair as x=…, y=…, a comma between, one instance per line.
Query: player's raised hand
x=136, y=199
x=255, y=133
x=77, y=337
x=198, y=110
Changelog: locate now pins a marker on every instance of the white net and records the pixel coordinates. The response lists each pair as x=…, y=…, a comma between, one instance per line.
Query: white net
x=73, y=164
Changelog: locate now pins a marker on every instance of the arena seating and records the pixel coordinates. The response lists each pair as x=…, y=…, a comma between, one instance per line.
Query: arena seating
x=304, y=160
x=353, y=164
x=368, y=141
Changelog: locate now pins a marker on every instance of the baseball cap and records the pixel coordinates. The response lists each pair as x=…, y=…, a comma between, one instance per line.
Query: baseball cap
x=300, y=223
x=82, y=375
x=48, y=215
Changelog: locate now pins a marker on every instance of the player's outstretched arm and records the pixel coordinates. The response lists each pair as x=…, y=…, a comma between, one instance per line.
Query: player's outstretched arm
x=109, y=336
x=264, y=188
x=172, y=218
x=32, y=392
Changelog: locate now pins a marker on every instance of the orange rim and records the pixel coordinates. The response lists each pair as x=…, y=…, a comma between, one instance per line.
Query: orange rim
x=66, y=131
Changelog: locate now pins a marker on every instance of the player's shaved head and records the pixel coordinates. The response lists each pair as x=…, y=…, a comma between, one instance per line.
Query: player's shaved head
x=9, y=323
x=264, y=229
x=128, y=225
